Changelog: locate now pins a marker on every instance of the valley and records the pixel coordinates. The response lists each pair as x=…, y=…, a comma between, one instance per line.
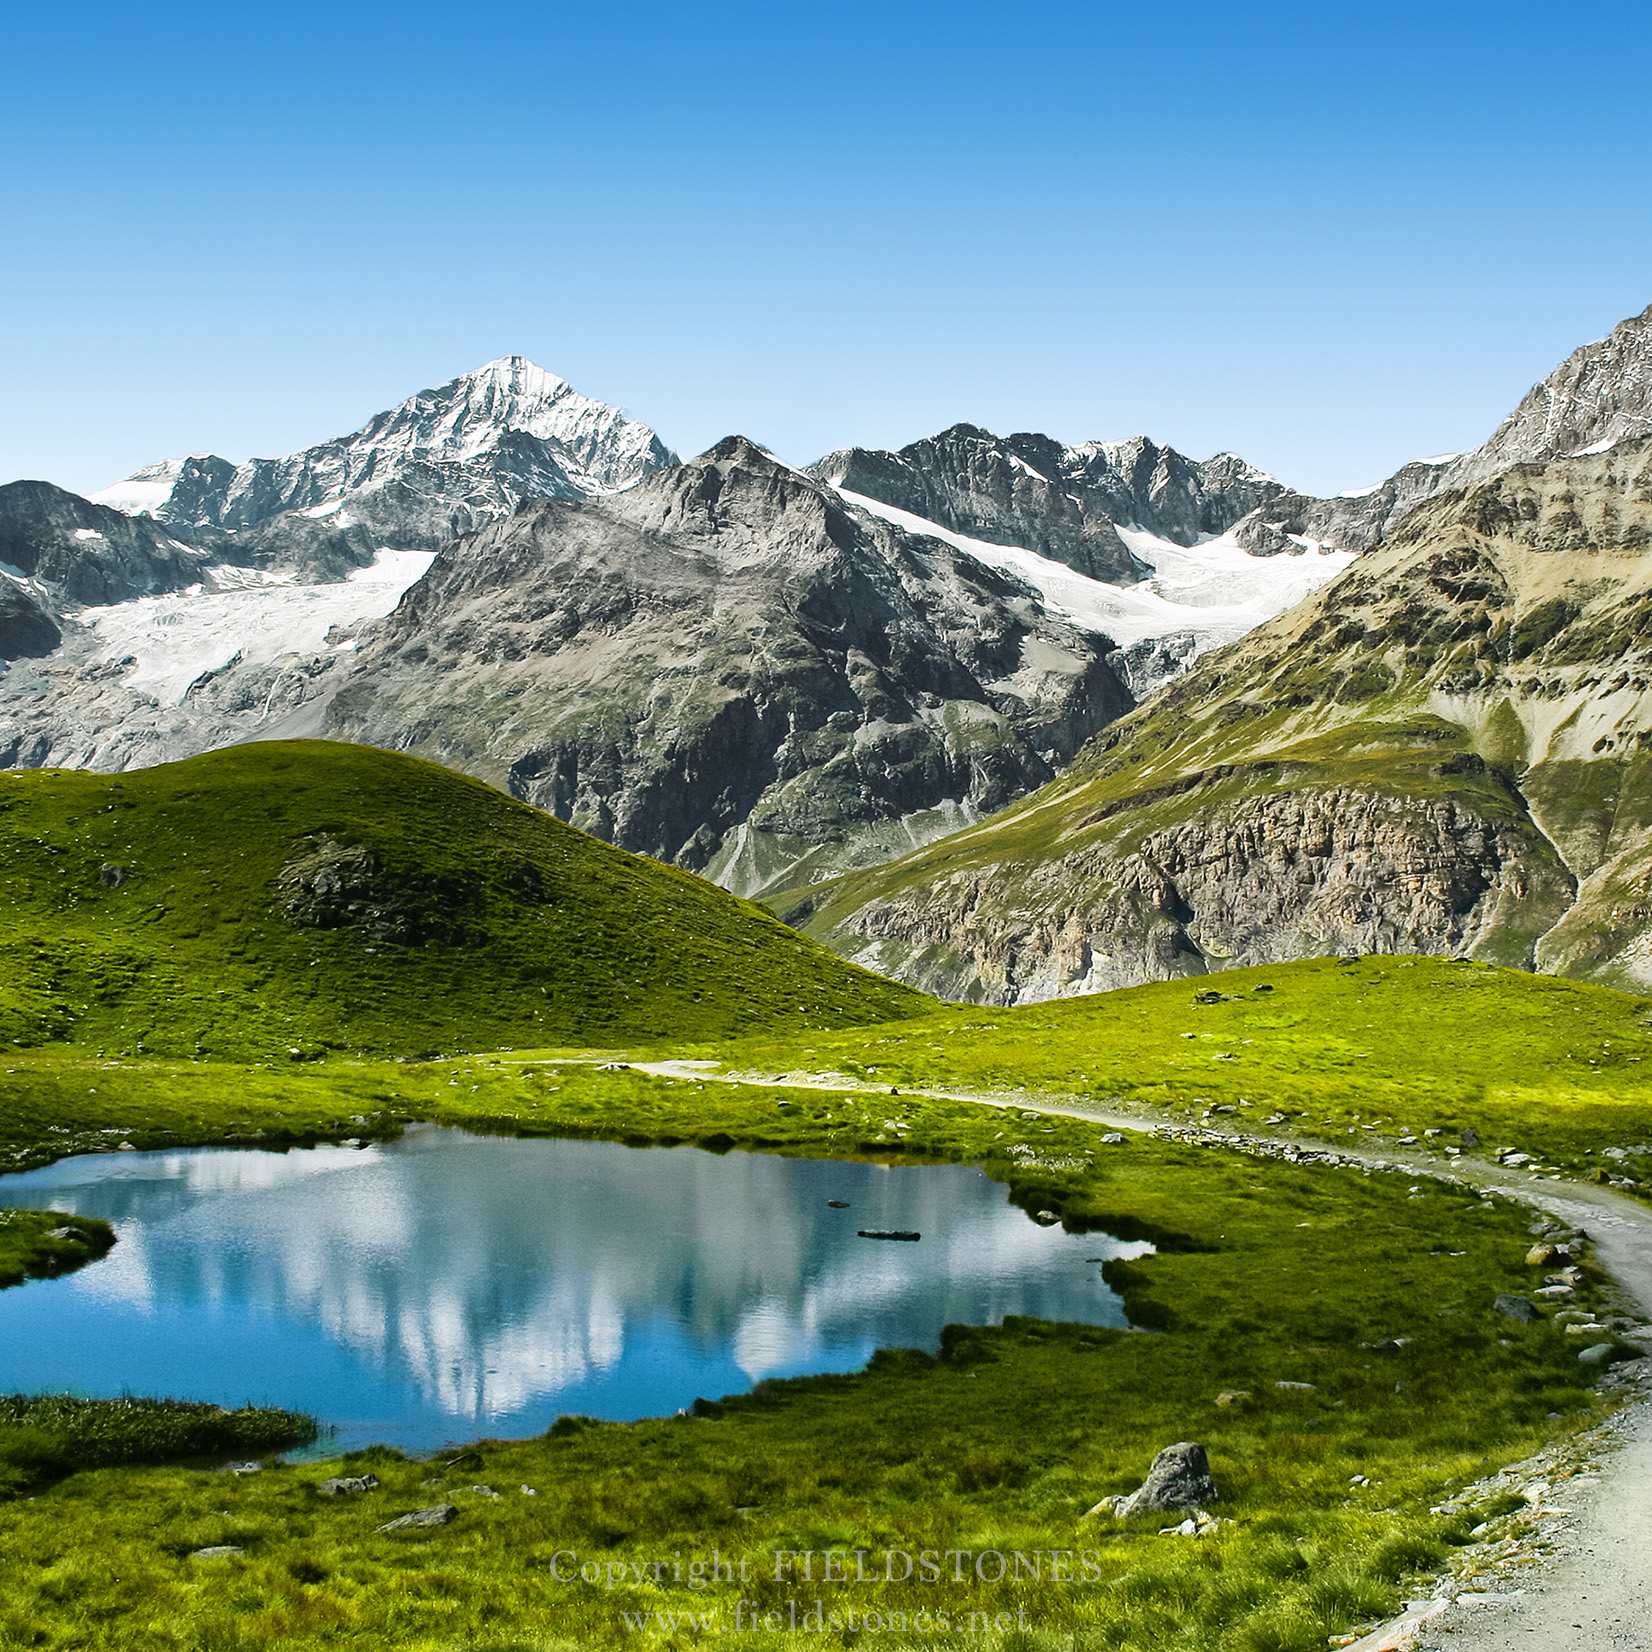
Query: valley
x=1244, y=887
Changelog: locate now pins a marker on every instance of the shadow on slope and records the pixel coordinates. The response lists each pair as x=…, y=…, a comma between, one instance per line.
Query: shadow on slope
x=291, y=897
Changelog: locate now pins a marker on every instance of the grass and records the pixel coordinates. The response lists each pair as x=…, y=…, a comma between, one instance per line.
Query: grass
x=290, y=898
x=1383, y=1047
x=40, y=1243
x=1376, y=1296
x=1377, y=1048
x=45, y=1437
x=173, y=1019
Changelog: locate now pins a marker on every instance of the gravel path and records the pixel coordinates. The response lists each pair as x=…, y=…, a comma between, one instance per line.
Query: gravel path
x=1575, y=1575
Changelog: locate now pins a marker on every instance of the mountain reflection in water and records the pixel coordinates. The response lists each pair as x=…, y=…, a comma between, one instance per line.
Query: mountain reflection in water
x=445, y=1285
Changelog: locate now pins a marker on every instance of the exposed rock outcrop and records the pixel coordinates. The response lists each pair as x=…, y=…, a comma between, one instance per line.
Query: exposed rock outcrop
x=726, y=668
x=1065, y=503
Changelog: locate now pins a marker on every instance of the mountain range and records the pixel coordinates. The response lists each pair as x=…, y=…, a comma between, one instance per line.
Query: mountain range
x=731, y=664
x=1212, y=720
x=1444, y=751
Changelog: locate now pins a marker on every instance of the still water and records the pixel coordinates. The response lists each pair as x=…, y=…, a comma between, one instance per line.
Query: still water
x=445, y=1286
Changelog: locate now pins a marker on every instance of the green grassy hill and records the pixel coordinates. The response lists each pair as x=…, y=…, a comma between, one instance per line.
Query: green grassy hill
x=286, y=898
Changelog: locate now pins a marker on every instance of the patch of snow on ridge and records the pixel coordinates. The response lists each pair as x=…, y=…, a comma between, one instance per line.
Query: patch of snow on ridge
x=173, y=641
x=1209, y=594
x=133, y=497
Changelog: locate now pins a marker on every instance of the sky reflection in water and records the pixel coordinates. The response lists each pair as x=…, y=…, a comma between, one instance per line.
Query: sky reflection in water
x=446, y=1286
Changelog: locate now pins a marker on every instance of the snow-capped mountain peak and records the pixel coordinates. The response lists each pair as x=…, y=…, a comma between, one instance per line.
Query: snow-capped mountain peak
x=479, y=444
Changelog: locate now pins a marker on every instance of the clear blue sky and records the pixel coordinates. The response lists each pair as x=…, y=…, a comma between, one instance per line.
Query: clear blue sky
x=1327, y=236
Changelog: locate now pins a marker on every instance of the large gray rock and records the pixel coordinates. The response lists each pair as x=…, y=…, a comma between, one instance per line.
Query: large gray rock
x=1517, y=1307
x=439, y=1514
x=1179, y=1480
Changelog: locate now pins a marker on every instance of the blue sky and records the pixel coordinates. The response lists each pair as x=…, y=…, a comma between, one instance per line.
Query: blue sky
x=1329, y=237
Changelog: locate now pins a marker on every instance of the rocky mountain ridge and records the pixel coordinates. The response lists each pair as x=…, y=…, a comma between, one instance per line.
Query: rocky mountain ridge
x=1446, y=750
x=728, y=668
x=1599, y=395
x=439, y=464
x=1062, y=502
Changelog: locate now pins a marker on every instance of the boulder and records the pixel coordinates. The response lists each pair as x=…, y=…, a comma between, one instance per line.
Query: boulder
x=1179, y=1480
x=437, y=1515
x=1610, y=1353
x=348, y=1485
x=1517, y=1307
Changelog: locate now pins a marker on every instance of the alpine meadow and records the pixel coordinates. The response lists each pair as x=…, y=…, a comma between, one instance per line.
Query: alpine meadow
x=999, y=1042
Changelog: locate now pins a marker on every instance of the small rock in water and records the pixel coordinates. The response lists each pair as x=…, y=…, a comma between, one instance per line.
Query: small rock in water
x=1045, y=1218
x=437, y=1515
x=837, y=1204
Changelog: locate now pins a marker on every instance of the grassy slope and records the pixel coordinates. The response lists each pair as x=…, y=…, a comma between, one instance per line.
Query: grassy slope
x=541, y=933
x=1559, y=1068
x=28, y=1248
x=1004, y=1444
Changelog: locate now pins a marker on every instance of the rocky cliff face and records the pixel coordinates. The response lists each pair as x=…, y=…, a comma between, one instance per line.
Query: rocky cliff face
x=1445, y=750
x=727, y=668
x=1249, y=872
x=1601, y=394
x=59, y=549
x=1065, y=503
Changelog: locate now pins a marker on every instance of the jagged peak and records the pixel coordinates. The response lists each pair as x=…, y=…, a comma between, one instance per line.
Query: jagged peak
x=514, y=374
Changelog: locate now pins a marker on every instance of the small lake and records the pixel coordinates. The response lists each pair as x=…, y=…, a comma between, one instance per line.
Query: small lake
x=444, y=1287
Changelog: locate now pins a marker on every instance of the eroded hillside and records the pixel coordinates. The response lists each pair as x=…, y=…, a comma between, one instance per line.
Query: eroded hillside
x=1442, y=752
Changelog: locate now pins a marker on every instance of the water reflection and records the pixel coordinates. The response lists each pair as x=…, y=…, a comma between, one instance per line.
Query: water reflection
x=447, y=1285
